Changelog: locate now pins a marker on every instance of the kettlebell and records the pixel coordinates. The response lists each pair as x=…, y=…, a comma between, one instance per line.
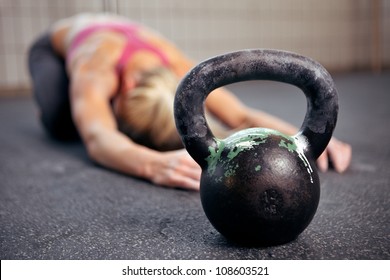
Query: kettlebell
x=259, y=187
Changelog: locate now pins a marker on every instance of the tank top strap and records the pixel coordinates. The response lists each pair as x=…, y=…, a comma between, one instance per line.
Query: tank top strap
x=134, y=44
x=129, y=30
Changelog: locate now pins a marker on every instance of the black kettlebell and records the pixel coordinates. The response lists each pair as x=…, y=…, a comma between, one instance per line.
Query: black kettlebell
x=258, y=186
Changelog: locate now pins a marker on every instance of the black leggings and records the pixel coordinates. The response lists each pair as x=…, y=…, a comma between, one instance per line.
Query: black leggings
x=51, y=89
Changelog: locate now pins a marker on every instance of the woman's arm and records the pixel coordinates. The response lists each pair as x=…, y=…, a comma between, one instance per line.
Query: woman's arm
x=91, y=91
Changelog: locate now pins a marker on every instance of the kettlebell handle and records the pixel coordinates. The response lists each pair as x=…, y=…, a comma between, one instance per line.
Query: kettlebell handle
x=257, y=64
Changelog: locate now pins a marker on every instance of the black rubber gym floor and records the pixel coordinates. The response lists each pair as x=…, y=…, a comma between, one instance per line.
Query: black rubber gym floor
x=56, y=204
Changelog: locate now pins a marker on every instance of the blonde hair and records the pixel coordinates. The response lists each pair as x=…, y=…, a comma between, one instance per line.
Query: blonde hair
x=146, y=114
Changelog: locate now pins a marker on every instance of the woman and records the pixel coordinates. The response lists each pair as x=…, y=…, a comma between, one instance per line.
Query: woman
x=112, y=82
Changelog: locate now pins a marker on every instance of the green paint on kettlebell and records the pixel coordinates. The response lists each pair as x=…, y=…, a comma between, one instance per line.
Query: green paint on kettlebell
x=230, y=170
x=215, y=155
x=246, y=140
x=290, y=145
x=236, y=143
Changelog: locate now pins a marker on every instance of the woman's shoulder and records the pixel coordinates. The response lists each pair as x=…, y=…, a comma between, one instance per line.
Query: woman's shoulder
x=82, y=20
x=65, y=30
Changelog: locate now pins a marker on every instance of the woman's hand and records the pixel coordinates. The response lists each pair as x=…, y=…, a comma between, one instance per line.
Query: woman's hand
x=176, y=169
x=338, y=153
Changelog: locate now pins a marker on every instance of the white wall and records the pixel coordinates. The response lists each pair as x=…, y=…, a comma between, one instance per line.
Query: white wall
x=338, y=33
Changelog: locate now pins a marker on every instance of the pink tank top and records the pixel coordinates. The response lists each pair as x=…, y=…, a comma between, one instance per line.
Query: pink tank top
x=134, y=43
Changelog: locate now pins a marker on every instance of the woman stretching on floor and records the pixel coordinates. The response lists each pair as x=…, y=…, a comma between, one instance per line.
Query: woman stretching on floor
x=112, y=82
